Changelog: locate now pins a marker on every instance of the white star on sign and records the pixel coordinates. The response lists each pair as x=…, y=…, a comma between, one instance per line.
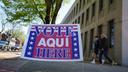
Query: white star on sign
x=74, y=34
x=75, y=49
x=76, y=55
x=74, y=38
x=29, y=53
x=39, y=30
x=33, y=33
x=32, y=38
x=31, y=42
x=75, y=44
x=30, y=47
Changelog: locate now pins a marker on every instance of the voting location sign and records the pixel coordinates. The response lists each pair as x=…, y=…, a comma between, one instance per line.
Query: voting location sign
x=60, y=42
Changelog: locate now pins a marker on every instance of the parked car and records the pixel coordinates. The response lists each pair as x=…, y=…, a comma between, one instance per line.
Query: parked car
x=3, y=44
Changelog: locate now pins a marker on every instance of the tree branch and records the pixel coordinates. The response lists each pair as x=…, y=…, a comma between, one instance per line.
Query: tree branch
x=40, y=15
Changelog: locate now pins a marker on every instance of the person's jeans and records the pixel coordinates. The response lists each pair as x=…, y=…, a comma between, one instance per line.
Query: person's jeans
x=105, y=54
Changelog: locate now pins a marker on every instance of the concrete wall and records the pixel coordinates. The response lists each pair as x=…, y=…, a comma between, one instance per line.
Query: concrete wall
x=125, y=33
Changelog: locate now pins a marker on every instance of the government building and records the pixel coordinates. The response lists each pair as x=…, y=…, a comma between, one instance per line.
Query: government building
x=102, y=16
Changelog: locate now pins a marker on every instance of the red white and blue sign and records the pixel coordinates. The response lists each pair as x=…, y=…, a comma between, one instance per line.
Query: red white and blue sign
x=60, y=42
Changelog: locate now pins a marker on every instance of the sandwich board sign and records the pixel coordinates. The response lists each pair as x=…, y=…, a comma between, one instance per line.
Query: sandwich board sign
x=52, y=42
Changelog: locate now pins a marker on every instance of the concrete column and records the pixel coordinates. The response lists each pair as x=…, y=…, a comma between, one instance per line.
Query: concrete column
x=125, y=32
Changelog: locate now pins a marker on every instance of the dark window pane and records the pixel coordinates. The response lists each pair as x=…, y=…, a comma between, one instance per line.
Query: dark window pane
x=111, y=33
x=75, y=21
x=83, y=2
x=80, y=4
x=91, y=40
x=85, y=42
x=110, y=1
x=79, y=20
x=101, y=5
x=82, y=18
x=93, y=9
x=99, y=30
x=87, y=14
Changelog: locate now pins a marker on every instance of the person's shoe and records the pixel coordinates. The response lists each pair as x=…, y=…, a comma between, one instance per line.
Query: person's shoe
x=114, y=63
x=93, y=62
x=103, y=61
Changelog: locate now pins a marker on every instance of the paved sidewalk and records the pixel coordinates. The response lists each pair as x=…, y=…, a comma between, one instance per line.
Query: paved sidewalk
x=8, y=55
x=36, y=66
x=104, y=68
x=11, y=65
x=10, y=61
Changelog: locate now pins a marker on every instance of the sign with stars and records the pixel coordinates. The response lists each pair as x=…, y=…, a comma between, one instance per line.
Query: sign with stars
x=60, y=42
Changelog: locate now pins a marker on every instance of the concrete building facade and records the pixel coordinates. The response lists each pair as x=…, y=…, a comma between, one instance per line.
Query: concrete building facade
x=100, y=16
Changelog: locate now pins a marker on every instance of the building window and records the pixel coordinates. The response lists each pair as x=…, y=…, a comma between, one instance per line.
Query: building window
x=72, y=15
x=110, y=1
x=76, y=21
x=91, y=40
x=82, y=20
x=99, y=30
x=101, y=5
x=80, y=4
x=83, y=3
x=87, y=1
x=85, y=42
x=79, y=20
x=82, y=38
x=111, y=31
x=77, y=9
x=93, y=9
x=87, y=15
x=74, y=10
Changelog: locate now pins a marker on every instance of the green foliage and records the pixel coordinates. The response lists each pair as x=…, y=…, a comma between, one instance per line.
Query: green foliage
x=3, y=22
x=23, y=10
x=15, y=33
x=66, y=1
x=29, y=10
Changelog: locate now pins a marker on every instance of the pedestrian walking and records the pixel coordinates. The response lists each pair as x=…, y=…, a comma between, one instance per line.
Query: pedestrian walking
x=4, y=37
x=17, y=44
x=104, y=48
x=95, y=49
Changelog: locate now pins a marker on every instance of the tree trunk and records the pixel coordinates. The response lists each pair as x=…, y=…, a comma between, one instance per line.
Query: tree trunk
x=3, y=26
x=48, y=10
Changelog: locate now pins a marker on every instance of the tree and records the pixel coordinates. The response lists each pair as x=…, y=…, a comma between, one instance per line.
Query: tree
x=3, y=24
x=17, y=33
x=28, y=10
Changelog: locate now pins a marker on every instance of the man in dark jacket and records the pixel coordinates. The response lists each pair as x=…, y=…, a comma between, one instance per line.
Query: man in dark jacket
x=96, y=48
x=104, y=48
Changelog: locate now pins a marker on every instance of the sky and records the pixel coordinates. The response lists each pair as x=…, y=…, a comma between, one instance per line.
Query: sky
x=62, y=12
